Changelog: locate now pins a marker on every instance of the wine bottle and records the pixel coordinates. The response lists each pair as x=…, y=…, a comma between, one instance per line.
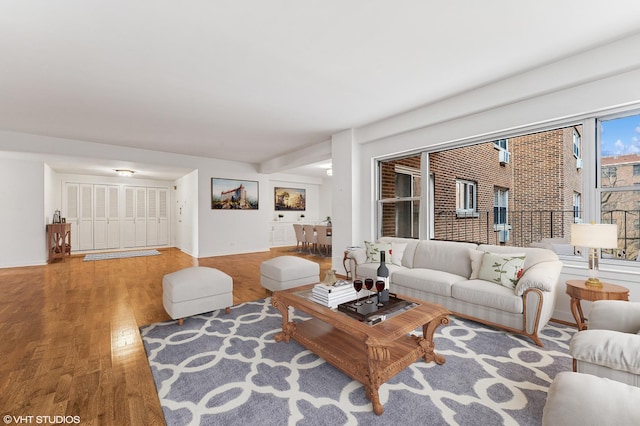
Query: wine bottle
x=383, y=271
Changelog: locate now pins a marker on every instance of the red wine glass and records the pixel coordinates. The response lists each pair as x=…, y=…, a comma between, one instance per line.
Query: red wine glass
x=357, y=285
x=379, y=287
x=368, y=283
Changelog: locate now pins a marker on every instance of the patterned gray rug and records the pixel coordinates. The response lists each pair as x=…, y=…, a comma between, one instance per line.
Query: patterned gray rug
x=220, y=369
x=120, y=255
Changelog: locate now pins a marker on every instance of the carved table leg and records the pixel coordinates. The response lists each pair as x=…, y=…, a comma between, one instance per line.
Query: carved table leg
x=426, y=342
x=288, y=328
x=576, y=310
x=376, y=355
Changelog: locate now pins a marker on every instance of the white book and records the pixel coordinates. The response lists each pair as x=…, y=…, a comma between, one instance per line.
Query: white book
x=340, y=286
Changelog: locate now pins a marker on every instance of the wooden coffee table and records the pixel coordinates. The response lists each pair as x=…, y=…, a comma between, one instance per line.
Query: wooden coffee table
x=368, y=354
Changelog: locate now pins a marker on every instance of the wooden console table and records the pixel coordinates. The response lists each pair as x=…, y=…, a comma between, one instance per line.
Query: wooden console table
x=58, y=241
x=578, y=290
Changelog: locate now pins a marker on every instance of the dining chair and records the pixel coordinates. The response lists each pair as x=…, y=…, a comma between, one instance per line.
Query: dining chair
x=297, y=227
x=310, y=237
x=324, y=240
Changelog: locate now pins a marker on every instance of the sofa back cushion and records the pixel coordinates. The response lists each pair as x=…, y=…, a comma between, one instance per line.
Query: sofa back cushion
x=447, y=256
x=409, y=249
x=533, y=255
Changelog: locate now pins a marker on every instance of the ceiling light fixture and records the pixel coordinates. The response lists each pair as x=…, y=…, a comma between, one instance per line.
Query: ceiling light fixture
x=124, y=172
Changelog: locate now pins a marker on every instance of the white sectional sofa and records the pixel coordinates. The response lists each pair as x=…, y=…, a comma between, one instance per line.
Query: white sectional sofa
x=452, y=274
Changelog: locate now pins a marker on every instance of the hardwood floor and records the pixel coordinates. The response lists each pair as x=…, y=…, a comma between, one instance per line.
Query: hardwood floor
x=70, y=344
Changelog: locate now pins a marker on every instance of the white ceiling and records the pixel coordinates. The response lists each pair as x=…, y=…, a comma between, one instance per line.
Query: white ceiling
x=250, y=80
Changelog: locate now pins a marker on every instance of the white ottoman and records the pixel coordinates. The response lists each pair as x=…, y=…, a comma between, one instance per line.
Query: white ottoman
x=195, y=291
x=284, y=272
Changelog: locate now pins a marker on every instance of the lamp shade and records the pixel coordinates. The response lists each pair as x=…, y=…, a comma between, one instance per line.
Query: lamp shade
x=594, y=235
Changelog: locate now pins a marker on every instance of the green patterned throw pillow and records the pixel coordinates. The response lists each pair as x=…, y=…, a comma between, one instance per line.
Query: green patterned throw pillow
x=502, y=268
x=374, y=249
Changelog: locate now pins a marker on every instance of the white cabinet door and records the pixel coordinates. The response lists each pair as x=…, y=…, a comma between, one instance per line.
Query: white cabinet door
x=163, y=217
x=140, y=218
x=152, y=217
x=113, y=217
x=85, y=228
x=129, y=217
x=100, y=217
x=71, y=211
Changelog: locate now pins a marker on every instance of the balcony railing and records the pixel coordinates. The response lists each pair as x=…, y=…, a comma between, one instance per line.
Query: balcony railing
x=526, y=227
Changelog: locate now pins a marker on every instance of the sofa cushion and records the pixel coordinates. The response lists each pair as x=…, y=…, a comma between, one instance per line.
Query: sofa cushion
x=369, y=270
x=397, y=252
x=502, y=268
x=447, y=256
x=374, y=249
x=476, y=262
x=484, y=293
x=432, y=281
x=533, y=255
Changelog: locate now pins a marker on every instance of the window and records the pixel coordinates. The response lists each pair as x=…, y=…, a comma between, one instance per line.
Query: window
x=500, y=206
x=502, y=144
x=576, y=143
x=576, y=208
x=619, y=196
x=465, y=197
x=399, y=183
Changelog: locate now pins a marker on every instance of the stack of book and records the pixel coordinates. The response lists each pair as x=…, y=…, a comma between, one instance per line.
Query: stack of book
x=332, y=296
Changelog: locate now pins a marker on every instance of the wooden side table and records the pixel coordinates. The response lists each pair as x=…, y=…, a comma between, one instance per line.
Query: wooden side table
x=58, y=241
x=578, y=290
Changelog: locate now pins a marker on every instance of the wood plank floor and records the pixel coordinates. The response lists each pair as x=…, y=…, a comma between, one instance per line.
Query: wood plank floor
x=70, y=344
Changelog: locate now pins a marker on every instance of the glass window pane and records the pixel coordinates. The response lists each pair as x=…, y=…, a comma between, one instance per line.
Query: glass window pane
x=623, y=209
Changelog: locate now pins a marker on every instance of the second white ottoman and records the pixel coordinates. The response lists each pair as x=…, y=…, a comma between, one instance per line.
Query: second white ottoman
x=284, y=272
x=196, y=290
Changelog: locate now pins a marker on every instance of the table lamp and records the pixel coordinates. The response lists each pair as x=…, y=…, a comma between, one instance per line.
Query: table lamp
x=594, y=236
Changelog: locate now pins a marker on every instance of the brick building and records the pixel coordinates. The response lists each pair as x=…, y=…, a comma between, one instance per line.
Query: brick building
x=513, y=191
x=623, y=208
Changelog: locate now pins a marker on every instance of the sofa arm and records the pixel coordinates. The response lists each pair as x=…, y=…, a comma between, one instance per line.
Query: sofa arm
x=358, y=255
x=616, y=315
x=612, y=349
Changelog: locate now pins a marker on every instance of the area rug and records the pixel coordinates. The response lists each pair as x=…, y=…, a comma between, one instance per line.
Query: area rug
x=120, y=255
x=226, y=369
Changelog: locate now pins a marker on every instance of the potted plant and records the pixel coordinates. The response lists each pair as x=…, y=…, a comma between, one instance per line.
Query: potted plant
x=329, y=220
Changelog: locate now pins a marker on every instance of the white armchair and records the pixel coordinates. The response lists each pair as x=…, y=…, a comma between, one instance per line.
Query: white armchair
x=610, y=348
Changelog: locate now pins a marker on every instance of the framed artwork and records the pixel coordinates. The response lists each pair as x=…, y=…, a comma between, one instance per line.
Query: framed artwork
x=233, y=194
x=290, y=199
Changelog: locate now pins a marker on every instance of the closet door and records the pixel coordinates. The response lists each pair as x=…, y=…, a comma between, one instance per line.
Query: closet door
x=85, y=228
x=152, y=217
x=163, y=217
x=140, y=218
x=129, y=217
x=100, y=217
x=113, y=217
x=71, y=212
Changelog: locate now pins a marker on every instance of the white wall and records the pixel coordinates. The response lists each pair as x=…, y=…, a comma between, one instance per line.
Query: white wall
x=207, y=232
x=22, y=184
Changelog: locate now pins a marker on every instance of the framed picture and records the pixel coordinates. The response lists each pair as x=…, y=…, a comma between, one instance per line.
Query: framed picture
x=290, y=199
x=233, y=194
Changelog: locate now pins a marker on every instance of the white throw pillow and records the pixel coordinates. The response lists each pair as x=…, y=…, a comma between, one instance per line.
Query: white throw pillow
x=374, y=249
x=476, y=263
x=397, y=251
x=502, y=268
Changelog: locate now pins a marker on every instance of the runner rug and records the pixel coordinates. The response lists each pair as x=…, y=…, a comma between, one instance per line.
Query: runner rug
x=120, y=255
x=220, y=369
